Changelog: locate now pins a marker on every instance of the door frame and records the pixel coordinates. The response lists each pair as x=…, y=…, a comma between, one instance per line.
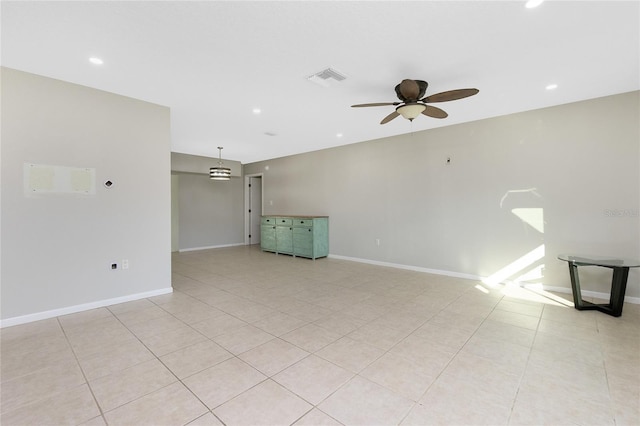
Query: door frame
x=247, y=224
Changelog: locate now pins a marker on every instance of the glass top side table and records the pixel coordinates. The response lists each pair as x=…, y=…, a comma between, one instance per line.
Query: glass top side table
x=620, y=268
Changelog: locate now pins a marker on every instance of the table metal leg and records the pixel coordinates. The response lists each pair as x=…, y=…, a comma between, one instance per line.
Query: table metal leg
x=618, y=288
x=575, y=286
x=616, y=299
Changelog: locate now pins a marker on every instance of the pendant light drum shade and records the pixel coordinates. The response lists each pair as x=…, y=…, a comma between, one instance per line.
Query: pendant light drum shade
x=219, y=172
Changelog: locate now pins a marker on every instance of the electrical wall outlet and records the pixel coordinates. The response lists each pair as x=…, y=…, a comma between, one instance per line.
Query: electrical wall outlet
x=125, y=263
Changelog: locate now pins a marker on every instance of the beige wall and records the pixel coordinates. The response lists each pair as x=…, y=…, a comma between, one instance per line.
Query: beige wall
x=576, y=166
x=210, y=213
x=57, y=248
x=207, y=213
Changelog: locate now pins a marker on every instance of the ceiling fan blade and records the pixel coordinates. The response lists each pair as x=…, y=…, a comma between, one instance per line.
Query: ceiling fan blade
x=450, y=95
x=375, y=104
x=434, y=112
x=390, y=117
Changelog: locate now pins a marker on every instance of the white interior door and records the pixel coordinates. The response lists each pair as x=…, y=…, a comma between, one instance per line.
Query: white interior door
x=255, y=208
x=175, y=212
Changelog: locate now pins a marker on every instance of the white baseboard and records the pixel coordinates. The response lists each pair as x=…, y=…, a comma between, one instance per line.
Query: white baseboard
x=585, y=293
x=79, y=308
x=589, y=293
x=210, y=247
x=408, y=267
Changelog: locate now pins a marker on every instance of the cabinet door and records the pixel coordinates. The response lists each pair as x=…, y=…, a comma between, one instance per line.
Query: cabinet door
x=303, y=242
x=268, y=237
x=284, y=239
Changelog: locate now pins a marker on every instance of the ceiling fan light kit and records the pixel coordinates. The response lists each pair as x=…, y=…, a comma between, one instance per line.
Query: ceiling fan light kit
x=411, y=111
x=411, y=93
x=219, y=172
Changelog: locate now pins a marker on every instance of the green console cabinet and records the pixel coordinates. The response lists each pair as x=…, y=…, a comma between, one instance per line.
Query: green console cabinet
x=304, y=236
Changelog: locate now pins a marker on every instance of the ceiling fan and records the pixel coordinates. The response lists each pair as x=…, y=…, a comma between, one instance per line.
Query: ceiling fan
x=411, y=93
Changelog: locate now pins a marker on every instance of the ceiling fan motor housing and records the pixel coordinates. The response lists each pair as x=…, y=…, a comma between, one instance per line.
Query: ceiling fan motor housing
x=411, y=90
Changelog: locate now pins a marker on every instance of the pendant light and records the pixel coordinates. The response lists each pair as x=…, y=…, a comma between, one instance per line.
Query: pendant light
x=219, y=172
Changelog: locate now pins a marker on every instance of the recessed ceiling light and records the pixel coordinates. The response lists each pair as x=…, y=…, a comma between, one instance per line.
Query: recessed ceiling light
x=338, y=135
x=96, y=61
x=257, y=111
x=551, y=87
x=533, y=3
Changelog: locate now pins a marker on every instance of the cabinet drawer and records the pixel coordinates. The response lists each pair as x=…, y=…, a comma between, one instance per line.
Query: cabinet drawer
x=268, y=221
x=283, y=221
x=303, y=222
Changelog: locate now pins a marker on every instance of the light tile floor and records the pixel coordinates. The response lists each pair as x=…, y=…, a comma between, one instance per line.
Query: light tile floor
x=251, y=338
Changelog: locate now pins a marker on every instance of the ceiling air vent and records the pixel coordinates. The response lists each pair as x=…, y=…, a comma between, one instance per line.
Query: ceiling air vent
x=326, y=77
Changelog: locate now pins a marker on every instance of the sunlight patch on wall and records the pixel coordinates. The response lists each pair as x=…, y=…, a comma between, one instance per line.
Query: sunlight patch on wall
x=516, y=266
x=534, y=274
x=531, y=216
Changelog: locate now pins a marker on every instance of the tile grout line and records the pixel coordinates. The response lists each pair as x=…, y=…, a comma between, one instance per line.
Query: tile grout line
x=178, y=380
x=450, y=360
x=526, y=366
x=86, y=379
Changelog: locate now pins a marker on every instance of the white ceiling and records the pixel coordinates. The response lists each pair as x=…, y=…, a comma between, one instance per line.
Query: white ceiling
x=213, y=62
